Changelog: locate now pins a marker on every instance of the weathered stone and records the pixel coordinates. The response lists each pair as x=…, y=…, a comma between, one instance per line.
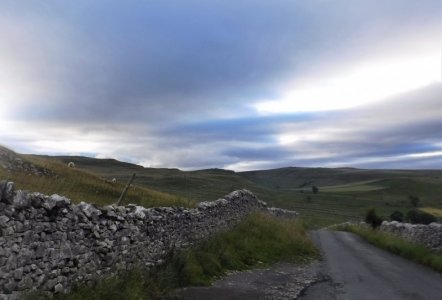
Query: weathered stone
x=50, y=284
x=109, y=211
x=9, y=287
x=21, y=200
x=60, y=201
x=7, y=192
x=18, y=274
x=3, y=221
x=89, y=210
x=15, y=248
x=40, y=251
x=37, y=199
x=25, y=284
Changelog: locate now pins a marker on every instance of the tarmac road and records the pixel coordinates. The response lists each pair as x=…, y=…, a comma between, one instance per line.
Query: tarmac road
x=354, y=269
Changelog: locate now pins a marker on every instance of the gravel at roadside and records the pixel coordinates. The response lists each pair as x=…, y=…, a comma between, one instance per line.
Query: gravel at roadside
x=280, y=281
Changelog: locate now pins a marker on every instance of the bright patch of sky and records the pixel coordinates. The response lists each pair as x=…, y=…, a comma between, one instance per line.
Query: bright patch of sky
x=361, y=85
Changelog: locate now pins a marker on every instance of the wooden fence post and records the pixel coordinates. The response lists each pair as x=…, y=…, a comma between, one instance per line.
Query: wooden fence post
x=123, y=194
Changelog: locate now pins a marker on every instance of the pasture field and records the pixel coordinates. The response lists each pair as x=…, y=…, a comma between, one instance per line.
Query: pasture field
x=437, y=212
x=363, y=186
x=344, y=194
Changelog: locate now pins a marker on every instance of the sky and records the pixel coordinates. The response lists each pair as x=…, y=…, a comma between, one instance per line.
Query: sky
x=234, y=84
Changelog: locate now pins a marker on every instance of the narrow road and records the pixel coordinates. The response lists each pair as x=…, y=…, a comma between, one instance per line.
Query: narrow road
x=354, y=269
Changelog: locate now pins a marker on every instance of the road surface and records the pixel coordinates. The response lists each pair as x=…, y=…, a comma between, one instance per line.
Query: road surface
x=354, y=269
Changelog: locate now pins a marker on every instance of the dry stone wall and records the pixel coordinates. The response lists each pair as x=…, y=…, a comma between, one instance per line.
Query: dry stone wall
x=282, y=213
x=428, y=235
x=48, y=243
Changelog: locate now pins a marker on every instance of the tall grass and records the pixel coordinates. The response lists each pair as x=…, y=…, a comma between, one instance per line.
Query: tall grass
x=257, y=241
x=80, y=185
x=415, y=252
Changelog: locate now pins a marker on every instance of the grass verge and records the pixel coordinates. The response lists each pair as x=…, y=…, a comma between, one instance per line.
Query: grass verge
x=415, y=252
x=257, y=241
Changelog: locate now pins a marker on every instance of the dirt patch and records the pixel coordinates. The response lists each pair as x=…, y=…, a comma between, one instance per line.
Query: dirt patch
x=281, y=281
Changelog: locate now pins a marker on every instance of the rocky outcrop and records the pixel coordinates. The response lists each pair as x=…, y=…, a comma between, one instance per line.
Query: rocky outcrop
x=48, y=243
x=427, y=235
x=12, y=162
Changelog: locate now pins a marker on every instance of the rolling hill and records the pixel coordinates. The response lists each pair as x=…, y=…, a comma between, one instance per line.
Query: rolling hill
x=50, y=176
x=344, y=193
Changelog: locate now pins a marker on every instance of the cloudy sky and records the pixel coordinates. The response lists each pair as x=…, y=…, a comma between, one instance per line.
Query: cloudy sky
x=241, y=84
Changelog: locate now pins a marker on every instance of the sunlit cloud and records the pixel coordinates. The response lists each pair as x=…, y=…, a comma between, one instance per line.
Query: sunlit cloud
x=360, y=85
x=391, y=159
x=426, y=154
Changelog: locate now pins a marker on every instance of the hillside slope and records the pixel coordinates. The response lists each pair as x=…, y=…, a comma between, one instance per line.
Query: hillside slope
x=34, y=173
x=202, y=185
x=344, y=193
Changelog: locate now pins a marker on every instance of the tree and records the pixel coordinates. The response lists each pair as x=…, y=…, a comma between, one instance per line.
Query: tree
x=416, y=216
x=414, y=200
x=397, y=216
x=315, y=189
x=373, y=219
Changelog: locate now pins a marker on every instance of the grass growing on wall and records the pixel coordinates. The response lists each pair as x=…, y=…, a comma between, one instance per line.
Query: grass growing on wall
x=415, y=252
x=258, y=240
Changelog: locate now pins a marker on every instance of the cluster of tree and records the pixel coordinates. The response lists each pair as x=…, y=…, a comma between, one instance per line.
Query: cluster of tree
x=373, y=219
x=315, y=189
x=413, y=216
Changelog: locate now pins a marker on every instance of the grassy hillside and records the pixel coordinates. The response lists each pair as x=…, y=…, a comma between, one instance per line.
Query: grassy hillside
x=202, y=185
x=344, y=193
x=79, y=184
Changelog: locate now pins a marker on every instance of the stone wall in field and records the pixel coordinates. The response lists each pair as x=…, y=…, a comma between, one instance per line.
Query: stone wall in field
x=428, y=235
x=48, y=243
x=282, y=213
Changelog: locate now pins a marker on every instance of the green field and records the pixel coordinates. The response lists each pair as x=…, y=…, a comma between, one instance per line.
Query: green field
x=363, y=186
x=434, y=211
x=344, y=193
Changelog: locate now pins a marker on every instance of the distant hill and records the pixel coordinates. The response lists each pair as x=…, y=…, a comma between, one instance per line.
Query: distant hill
x=292, y=177
x=200, y=185
x=344, y=193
